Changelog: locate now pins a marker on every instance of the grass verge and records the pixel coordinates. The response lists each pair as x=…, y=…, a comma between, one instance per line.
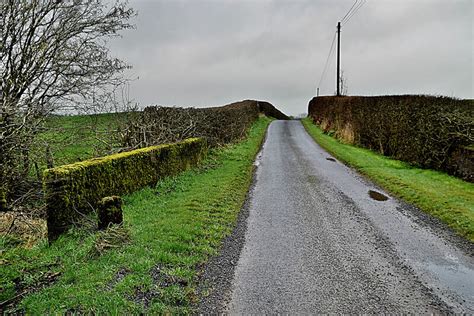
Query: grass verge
x=448, y=198
x=150, y=264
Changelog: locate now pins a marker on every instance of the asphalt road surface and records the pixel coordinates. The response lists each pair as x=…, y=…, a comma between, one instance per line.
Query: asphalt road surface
x=317, y=242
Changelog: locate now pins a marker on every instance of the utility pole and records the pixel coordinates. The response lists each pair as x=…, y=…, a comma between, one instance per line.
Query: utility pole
x=338, y=57
x=317, y=93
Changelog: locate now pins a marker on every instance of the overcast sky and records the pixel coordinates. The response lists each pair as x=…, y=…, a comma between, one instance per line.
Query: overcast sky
x=206, y=53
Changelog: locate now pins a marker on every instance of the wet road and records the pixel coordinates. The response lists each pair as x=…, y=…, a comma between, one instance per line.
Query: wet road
x=316, y=242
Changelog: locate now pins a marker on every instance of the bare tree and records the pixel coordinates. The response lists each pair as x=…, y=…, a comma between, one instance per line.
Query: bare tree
x=343, y=82
x=53, y=58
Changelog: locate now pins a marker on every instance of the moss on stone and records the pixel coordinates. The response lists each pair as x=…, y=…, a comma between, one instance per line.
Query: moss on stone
x=75, y=189
x=109, y=211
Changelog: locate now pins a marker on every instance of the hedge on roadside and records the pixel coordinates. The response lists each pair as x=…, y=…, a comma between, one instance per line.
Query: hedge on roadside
x=76, y=189
x=427, y=131
x=218, y=125
x=269, y=110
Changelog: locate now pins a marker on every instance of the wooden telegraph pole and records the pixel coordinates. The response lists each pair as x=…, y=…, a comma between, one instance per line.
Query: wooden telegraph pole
x=338, y=58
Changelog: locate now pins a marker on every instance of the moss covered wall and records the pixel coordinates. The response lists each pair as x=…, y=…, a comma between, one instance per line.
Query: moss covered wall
x=75, y=189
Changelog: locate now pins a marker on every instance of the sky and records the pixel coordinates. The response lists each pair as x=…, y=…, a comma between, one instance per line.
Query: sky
x=213, y=52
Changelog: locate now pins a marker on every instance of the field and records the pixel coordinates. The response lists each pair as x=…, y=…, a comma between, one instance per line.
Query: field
x=78, y=137
x=149, y=265
x=446, y=197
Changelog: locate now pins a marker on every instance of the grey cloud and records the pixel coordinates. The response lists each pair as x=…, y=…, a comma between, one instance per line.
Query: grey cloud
x=203, y=52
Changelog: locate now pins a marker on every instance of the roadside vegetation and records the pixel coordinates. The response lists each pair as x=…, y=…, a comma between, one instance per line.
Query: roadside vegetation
x=446, y=197
x=55, y=59
x=148, y=265
x=63, y=140
x=431, y=132
x=78, y=137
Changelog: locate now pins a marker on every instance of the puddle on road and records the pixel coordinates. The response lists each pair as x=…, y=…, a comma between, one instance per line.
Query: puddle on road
x=377, y=196
x=331, y=159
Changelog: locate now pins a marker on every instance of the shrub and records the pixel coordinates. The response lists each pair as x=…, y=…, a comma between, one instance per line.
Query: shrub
x=218, y=125
x=427, y=131
x=269, y=110
x=75, y=189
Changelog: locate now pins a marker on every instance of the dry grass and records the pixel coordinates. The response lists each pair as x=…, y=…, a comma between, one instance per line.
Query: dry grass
x=324, y=125
x=346, y=134
x=115, y=236
x=21, y=226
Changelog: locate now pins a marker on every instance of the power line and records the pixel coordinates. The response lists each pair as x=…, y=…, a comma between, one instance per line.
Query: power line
x=342, y=20
x=327, y=60
x=349, y=14
x=354, y=11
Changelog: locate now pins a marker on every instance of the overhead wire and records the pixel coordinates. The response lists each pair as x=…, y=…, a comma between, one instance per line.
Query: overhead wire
x=331, y=50
x=348, y=12
x=354, y=11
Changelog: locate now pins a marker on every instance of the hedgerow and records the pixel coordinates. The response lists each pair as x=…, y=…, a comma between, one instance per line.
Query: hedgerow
x=74, y=190
x=426, y=131
x=218, y=125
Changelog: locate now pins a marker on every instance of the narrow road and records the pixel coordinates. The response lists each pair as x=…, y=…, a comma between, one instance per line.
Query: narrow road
x=316, y=242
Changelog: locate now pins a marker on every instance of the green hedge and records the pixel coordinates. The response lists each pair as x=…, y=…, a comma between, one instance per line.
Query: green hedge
x=427, y=131
x=218, y=125
x=269, y=110
x=75, y=189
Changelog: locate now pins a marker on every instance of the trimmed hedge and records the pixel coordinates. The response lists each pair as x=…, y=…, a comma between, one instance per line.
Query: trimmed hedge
x=218, y=125
x=427, y=131
x=75, y=189
x=269, y=110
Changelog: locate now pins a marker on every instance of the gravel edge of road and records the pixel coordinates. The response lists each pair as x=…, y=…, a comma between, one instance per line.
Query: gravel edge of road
x=422, y=218
x=438, y=227
x=216, y=275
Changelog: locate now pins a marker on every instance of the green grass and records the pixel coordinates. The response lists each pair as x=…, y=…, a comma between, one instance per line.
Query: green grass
x=78, y=137
x=175, y=226
x=448, y=198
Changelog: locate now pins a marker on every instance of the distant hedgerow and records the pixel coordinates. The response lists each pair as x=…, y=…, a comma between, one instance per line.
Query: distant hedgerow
x=427, y=131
